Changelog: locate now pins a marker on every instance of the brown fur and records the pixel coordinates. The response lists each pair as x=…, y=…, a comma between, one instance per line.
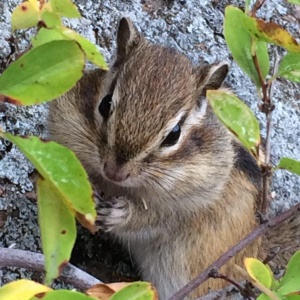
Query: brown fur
x=181, y=207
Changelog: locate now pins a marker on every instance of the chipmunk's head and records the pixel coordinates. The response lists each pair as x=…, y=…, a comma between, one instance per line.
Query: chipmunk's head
x=158, y=132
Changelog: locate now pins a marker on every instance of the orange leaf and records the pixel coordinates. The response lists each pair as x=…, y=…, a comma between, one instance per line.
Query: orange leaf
x=103, y=291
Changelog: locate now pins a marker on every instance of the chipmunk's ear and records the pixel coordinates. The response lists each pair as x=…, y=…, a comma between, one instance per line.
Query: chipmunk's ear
x=128, y=38
x=211, y=77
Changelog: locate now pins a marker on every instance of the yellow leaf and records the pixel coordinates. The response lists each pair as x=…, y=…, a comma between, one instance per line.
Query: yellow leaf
x=278, y=35
x=24, y=16
x=22, y=290
x=46, y=7
x=35, y=4
x=271, y=33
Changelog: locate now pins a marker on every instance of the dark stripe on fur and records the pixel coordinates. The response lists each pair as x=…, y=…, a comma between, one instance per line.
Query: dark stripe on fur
x=247, y=164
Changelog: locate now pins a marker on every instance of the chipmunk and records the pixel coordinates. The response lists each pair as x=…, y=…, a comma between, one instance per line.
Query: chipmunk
x=179, y=189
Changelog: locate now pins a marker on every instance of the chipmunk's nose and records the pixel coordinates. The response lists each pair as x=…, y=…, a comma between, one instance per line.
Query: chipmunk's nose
x=115, y=172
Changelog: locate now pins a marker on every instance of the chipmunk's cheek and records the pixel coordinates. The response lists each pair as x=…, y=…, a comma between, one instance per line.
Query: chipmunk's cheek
x=172, y=177
x=168, y=184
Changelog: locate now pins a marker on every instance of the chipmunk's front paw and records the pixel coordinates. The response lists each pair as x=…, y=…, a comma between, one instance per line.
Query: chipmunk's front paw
x=112, y=213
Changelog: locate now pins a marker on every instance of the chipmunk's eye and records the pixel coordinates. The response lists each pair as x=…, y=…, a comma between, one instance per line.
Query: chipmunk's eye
x=172, y=137
x=104, y=107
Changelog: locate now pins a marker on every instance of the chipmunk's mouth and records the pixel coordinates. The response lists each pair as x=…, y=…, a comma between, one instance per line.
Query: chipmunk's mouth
x=128, y=182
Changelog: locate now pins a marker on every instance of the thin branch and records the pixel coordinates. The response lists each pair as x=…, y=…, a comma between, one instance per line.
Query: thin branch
x=272, y=254
x=203, y=276
x=267, y=108
x=244, y=292
x=35, y=261
x=270, y=91
x=266, y=173
x=258, y=4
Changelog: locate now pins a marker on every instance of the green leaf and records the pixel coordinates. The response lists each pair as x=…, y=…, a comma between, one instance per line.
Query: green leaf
x=290, y=283
x=24, y=16
x=60, y=167
x=289, y=164
x=47, y=35
x=263, y=297
x=136, y=291
x=63, y=295
x=88, y=47
x=263, y=57
x=65, y=7
x=289, y=67
x=275, y=282
x=22, y=289
x=51, y=19
x=258, y=271
x=273, y=296
x=58, y=229
x=43, y=73
x=240, y=41
x=294, y=1
x=237, y=117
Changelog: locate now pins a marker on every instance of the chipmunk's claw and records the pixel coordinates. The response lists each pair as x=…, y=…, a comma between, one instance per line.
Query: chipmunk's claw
x=112, y=213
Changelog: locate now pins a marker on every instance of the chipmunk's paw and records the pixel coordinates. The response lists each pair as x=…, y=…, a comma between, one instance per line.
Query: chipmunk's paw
x=112, y=213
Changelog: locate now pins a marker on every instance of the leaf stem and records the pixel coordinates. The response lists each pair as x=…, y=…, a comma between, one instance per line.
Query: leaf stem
x=263, y=84
x=267, y=107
